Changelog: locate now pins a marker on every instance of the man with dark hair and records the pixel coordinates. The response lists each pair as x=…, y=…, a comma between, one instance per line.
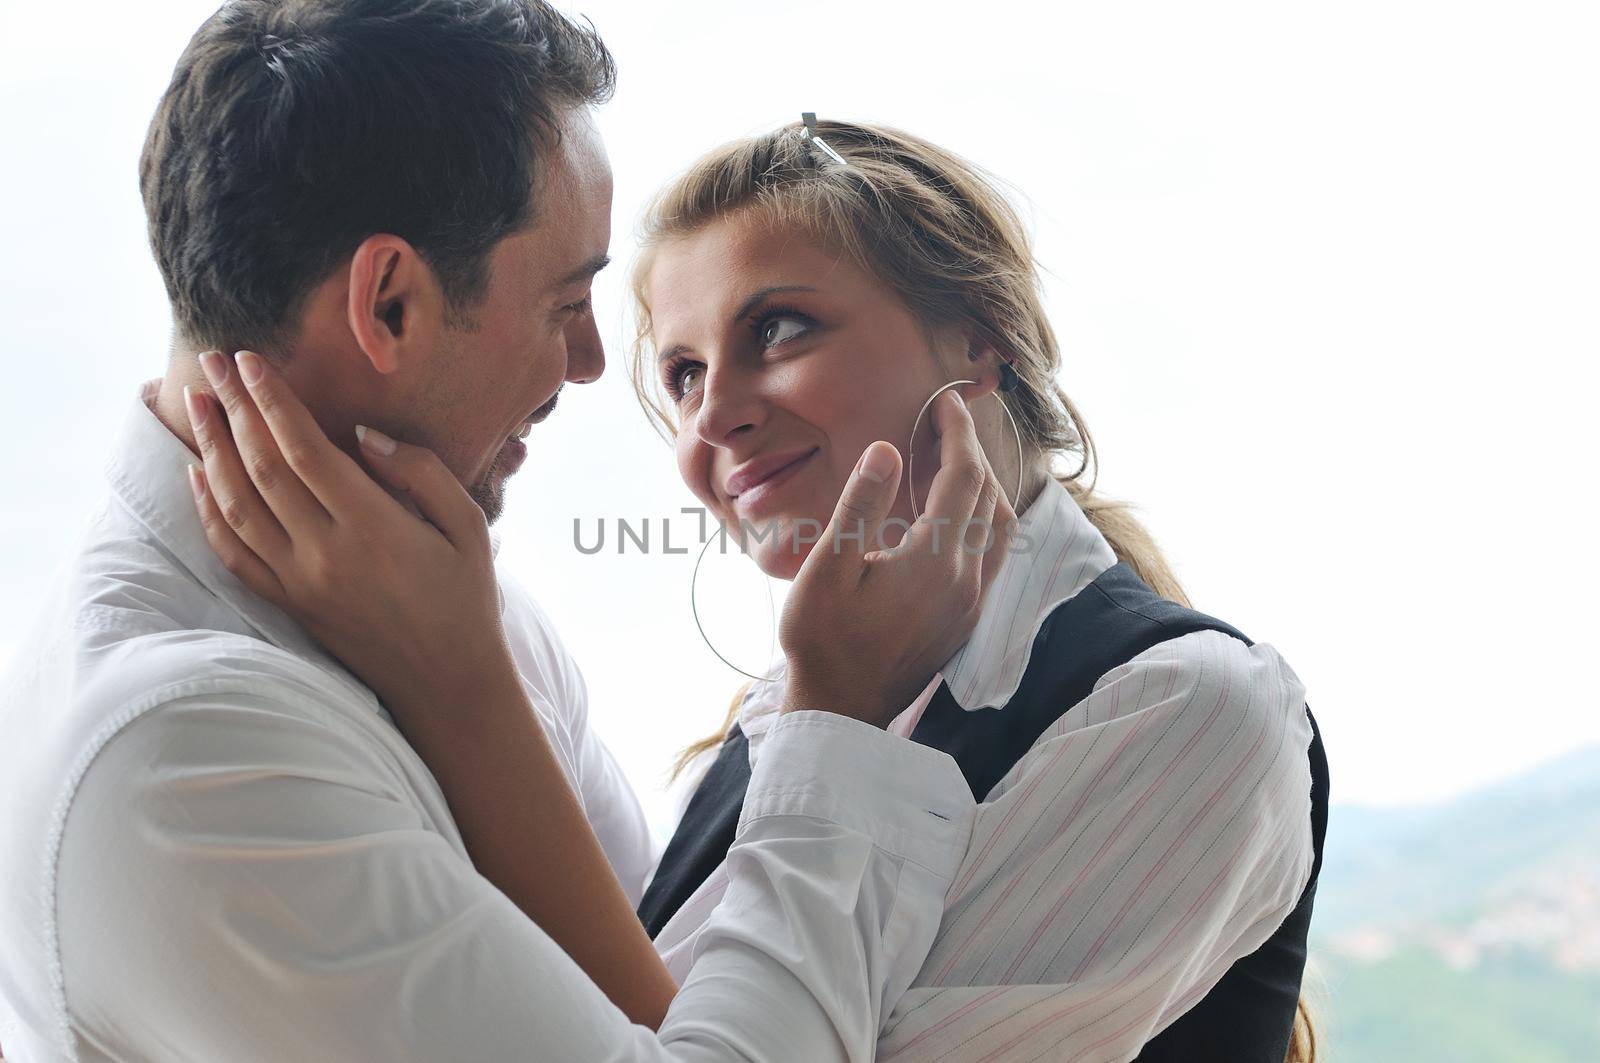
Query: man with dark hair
x=219, y=847
x=444, y=153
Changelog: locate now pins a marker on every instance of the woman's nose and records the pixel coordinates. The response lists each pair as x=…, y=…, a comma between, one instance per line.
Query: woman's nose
x=729, y=407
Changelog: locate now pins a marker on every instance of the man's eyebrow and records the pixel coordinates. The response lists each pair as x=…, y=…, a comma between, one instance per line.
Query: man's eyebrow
x=756, y=298
x=585, y=271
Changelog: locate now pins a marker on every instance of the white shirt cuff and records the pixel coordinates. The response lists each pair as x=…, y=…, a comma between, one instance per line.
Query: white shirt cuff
x=911, y=800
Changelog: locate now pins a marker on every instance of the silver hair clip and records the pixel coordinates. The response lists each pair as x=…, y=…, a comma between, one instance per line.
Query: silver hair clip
x=809, y=118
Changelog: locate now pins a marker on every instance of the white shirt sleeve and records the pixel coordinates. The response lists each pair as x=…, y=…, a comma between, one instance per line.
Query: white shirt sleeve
x=1158, y=832
x=555, y=683
x=242, y=879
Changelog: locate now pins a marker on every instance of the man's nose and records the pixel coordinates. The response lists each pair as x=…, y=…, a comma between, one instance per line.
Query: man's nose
x=586, y=354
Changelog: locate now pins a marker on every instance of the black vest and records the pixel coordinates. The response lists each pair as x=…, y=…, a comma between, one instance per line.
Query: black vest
x=1247, y=1017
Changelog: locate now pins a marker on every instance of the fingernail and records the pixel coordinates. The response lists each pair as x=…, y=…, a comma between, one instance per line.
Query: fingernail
x=214, y=367
x=197, y=483
x=877, y=463
x=196, y=402
x=374, y=440
x=249, y=367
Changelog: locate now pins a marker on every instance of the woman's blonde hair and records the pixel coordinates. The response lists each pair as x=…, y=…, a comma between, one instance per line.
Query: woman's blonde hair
x=935, y=230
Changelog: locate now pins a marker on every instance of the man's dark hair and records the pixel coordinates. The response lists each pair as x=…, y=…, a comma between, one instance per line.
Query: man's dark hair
x=294, y=129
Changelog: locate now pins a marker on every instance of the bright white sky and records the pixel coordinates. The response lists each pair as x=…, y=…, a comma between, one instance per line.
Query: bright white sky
x=1326, y=278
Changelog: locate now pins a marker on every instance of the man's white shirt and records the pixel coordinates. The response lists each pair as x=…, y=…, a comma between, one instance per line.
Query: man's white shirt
x=218, y=846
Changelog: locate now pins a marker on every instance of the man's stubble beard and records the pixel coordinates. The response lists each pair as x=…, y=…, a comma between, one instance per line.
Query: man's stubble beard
x=490, y=492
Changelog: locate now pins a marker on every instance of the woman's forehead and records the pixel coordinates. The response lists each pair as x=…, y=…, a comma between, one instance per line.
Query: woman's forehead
x=744, y=241
x=703, y=276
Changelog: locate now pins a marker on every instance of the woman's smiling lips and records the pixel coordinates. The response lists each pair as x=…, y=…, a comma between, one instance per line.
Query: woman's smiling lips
x=756, y=480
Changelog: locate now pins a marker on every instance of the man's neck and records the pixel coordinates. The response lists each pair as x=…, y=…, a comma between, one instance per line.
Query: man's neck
x=183, y=370
x=167, y=403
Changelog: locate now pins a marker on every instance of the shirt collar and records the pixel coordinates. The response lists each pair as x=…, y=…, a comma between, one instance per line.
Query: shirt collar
x=1056, y=552
x=147, y=472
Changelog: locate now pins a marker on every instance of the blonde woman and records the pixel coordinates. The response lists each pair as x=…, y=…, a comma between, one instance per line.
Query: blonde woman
x=1152, y=788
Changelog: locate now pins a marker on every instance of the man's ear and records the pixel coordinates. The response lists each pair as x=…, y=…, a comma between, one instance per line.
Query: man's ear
x=396, y=307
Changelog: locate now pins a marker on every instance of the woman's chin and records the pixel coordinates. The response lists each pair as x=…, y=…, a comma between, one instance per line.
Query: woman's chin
x=780, y=543
x=782, y=560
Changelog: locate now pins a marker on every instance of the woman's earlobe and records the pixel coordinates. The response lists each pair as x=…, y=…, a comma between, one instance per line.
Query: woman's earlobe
x=1006, y=378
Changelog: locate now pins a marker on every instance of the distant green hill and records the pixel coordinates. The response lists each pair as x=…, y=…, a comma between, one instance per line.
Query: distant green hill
x=1467, y=931
x=1389, y=866
x=1412, y=1008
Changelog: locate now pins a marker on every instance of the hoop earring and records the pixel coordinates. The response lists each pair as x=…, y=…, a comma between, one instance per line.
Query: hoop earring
x=911, y=446
x=694, y=608
x=911, y=488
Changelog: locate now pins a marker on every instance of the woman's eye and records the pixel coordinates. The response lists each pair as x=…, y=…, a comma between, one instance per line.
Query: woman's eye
x=781, y=329
x=682, y=380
